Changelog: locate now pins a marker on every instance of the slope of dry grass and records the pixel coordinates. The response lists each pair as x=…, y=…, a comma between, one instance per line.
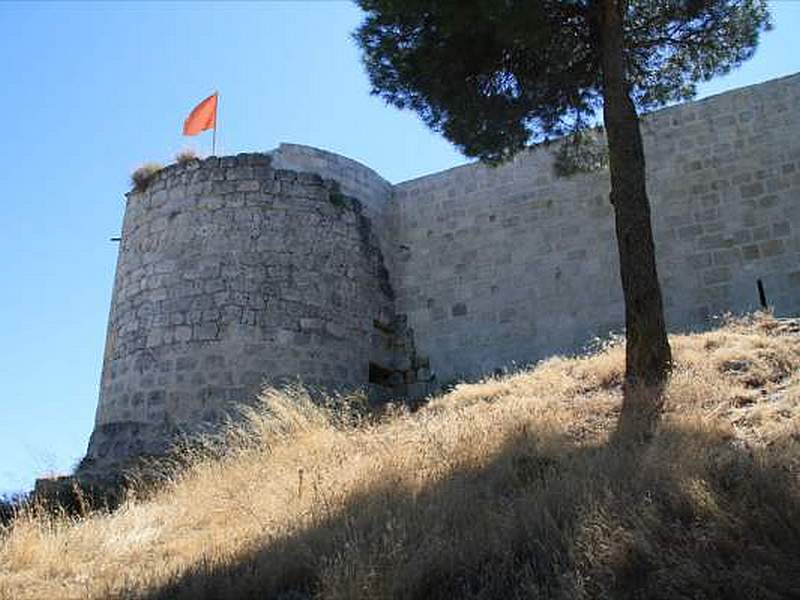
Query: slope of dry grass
x=501, y=489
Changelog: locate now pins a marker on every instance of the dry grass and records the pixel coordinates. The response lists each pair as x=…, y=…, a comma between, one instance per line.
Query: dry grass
x=186, y=155
x=502, y=489
x=143, y=176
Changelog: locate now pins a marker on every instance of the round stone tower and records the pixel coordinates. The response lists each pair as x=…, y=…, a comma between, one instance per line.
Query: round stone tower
x=234, y=273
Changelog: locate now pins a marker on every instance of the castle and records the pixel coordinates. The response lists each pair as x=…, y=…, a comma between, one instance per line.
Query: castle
x=299, y=264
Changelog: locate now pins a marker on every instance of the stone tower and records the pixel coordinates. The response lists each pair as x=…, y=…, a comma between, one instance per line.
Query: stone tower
x=238, y=272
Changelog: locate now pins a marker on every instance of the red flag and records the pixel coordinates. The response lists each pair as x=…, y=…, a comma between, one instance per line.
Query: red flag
x=204, y=116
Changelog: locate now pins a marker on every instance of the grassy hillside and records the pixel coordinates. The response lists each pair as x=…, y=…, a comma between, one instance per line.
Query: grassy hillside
x=502, y=489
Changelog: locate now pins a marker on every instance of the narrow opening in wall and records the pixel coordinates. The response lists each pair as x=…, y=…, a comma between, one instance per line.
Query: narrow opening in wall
x=379, y=375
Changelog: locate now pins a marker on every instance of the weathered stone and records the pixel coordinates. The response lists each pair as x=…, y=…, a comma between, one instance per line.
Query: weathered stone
x=299, y=264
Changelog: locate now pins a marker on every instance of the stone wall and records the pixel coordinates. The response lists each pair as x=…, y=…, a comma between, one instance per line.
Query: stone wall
x=496, y=266
x=354, y=179
x=233, y=274
x=302, y=264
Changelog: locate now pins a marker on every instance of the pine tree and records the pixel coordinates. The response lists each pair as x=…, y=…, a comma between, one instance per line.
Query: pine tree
x=493, y=76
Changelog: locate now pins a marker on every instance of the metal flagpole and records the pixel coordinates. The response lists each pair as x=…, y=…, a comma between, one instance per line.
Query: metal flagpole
x=216, y=115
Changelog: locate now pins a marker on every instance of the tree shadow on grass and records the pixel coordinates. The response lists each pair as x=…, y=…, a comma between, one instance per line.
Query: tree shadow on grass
x=692, y=515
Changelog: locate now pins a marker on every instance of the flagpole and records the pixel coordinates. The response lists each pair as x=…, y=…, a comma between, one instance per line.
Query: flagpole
x=216, y=117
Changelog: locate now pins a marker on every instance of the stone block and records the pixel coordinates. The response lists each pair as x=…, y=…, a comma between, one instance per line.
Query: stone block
x=727, y=257
x=183, y=333
x=752, y=189
x=689, y=232
x=698, y=261
x=772, y=248
x=459, y=309
x=751, y=252
x=717, y=240
x=716, y=275
x=312, y=324
x=781, y=229
x=336, y=331
x=761, y=233
x=205, y=331
x=156, y=398
x=252, y=185
x=768, y=201
x=284, y=336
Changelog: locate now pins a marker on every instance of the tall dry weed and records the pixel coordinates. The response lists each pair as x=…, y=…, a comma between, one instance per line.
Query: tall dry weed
x=502, y=489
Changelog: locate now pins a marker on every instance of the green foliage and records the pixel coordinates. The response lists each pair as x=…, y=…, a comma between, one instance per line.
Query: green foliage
x=674, y=44
x=584, y=151
x=493, y=76
x=338, y=199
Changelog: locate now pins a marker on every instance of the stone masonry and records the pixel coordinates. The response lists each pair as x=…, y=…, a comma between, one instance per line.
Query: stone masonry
x=301, y=265
x=233, y=274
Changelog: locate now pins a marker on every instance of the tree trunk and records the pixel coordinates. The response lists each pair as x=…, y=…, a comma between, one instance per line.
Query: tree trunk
x=648, y=357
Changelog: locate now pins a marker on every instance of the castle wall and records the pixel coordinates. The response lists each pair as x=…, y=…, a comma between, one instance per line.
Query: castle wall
x=304, y=265
x=232, y=274
x=496, y=266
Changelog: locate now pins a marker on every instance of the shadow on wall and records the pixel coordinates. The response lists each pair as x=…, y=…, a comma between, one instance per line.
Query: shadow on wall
x=692, y=516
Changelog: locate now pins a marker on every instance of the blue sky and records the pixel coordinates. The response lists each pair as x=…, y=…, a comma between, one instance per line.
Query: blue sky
x=90, y=91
